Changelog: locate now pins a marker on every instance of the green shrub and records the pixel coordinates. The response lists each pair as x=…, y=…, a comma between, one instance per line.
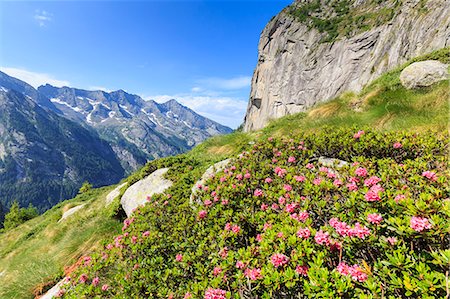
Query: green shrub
x=17, y=215
x=308, y=231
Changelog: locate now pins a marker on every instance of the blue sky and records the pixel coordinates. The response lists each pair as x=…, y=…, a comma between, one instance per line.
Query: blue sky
x=201, y=53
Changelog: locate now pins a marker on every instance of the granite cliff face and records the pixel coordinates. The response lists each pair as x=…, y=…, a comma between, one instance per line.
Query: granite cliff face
x=305, y=59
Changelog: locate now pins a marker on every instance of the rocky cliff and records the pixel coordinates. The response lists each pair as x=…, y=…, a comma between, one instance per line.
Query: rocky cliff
x=312, y=51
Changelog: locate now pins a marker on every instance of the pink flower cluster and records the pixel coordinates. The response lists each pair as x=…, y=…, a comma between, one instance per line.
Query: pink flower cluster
x=291, y=159
x=253, y=274
x=373, y=180
x=374, y=193
x=398, y=145
x=430, y=175
x=279, y=259
x=179, y=257
x=358, y=134
x=301, y=216
x=419, y=223
x=258, y=193
x=302, y=270
x=281, y=172
x=374, y=218
x=345, y=230
x=322, y=238
x=215, y=294
x=202, y=214
x=354, y=271
x=361, y=171
x=304, y=233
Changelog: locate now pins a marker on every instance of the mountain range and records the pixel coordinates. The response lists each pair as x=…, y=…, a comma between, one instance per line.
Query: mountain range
x=53, y=139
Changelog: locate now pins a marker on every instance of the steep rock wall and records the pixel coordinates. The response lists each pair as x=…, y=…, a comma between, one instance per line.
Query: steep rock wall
x=296, y=69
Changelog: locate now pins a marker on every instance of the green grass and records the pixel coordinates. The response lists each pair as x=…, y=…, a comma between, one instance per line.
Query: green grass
x=36, y=252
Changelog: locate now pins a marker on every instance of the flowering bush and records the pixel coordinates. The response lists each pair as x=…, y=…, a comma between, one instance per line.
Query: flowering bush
x=291, y=228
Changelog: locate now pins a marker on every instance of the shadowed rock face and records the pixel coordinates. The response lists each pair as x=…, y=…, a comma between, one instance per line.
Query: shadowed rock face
x=136, y=194
x=424, y=73
x=296, y=70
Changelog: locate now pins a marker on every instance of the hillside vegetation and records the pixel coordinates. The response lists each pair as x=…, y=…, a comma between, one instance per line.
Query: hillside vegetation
x=276, y=222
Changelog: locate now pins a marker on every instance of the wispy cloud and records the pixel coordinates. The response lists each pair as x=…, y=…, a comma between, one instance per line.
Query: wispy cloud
x=99, y=88
x=42, y=17
x=228, y=111
x=235, y=83
x=33, y=78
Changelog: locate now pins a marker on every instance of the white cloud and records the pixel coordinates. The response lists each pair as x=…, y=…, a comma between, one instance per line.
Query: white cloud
x=235, y=83
x=32, y=78
x=196, y=89
x=99, y=88
x=228, y=111
x=42, y=17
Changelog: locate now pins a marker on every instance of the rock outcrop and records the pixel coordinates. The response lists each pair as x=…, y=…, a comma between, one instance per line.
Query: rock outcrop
x=211, y=171
x=423, y=74
x=70, y=212
x=136, y=195
x=113, y=194
x=296, y=69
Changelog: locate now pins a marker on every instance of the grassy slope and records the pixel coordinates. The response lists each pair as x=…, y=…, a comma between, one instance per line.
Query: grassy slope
x=36, y=252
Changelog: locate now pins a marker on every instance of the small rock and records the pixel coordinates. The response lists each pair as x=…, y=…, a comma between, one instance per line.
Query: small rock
x=113, y=194
x=219, y=166
x=332, y=162
x=423, y=73
x=136, y=194
x=53, y=292
x=70, y=212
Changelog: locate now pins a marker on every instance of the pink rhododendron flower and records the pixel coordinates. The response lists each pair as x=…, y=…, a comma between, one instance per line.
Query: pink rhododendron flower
x=361, y=171
x=323, y=169
x=359, y=231
x=187, y=295
x=281, y=200
x=373, y=180
x=236, y=229
x=233, y=168
x=291, y=159
x=267, y=226
x=275, y=206
x=253, y=274
x=398, y=145
x=134, y=239
x=280, y=171
x=279, y=259
x=228, y=226
x=264, y=207
x=302, y=216
x=309, y=166
x=268, y=180
x=391, y=240
x=317, y=181
x=105, y=287
x=95, y=281
x=304, y=233
x=223, y=179
x=419, y=223
x=202, y=214
x=352, y=187
x=214, y=193
x=258, y=237
x=83, y=278
x=358, y=134
x=337, y=183
x=374, y=218
x=258, y=193
x=179, y=257
x=374, y=193
x=217, y=271
x=215, y=294
x=321, y=237
x=274, y=160
x=342, y=268
x=280, y=235
x=239, y=176
x=270, y=139
x=287, y=187
x=299, y=178
x=224, y=201
x=357, y=273
x=240, y=265
x=290, y=208
x=430, y=175
x=247, y=175
x=207, y=202
x=331, y=175
x=302, y=270
x=223, y=252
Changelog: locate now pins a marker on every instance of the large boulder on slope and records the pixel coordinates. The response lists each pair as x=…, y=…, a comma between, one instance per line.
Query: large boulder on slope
x=423, y=74
x=136, y=195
